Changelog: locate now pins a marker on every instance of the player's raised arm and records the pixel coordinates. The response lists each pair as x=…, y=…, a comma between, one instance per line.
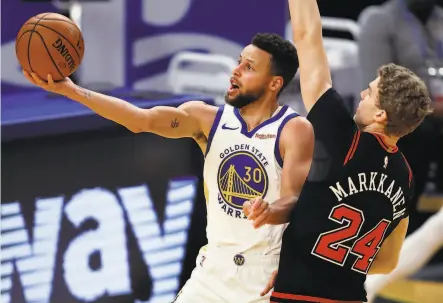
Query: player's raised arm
x=165, y=121
x=315, y=75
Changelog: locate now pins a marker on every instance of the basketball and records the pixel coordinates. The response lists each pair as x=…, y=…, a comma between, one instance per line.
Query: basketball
x=50, y=43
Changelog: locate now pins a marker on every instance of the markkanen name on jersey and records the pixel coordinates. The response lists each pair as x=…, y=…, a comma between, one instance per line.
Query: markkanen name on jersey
x=373, y=182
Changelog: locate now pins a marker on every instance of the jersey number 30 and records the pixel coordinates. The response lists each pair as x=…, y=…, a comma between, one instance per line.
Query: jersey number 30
x=330, y=247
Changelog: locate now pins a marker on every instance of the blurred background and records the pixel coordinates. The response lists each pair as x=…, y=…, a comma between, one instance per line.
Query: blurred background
x=91, y=212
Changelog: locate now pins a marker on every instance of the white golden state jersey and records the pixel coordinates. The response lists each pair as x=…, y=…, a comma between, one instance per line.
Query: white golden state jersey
x=239, y=166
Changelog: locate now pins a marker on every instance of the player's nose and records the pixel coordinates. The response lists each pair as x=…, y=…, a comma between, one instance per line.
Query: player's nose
x=236, y=72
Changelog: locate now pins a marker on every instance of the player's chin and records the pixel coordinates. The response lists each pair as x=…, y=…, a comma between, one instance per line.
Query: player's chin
x=230, y=97
x=232, y=92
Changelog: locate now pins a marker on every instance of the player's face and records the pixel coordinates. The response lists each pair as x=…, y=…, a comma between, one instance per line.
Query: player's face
x=251, y=78
x=368, y=110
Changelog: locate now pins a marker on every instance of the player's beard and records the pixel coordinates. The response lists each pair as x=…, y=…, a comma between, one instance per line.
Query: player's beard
x=241, y=100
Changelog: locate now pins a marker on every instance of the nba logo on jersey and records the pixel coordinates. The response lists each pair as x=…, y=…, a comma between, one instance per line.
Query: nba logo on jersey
x=241, y=176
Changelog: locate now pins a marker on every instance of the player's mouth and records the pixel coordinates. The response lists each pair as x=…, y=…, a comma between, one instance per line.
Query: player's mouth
x=234, y=87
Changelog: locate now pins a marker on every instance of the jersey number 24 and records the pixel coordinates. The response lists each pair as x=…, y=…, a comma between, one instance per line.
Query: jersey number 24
x=330, y=245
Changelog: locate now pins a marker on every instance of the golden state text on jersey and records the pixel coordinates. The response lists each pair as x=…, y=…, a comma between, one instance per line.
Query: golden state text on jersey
x=241, y=176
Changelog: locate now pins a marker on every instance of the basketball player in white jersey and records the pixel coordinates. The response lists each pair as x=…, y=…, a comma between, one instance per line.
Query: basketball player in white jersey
x=253, y=147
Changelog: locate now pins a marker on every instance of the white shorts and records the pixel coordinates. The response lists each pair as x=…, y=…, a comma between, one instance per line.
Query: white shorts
x=217, y=278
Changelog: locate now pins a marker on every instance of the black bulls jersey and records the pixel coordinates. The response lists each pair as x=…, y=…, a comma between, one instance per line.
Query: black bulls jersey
x=356, y=193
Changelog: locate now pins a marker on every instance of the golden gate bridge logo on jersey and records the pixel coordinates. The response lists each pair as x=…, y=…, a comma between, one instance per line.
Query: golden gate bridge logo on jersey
x=241, y=177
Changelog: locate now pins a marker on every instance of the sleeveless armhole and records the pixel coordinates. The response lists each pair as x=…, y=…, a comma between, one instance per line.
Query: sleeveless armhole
x=277, y=153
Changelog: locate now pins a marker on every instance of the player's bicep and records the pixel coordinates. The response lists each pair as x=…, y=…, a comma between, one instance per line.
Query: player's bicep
x=389, y=252
x=175, y=122
x=296, y=146
x=315, y=75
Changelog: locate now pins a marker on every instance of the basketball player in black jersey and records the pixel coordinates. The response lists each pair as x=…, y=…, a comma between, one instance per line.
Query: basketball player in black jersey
x=352, y=214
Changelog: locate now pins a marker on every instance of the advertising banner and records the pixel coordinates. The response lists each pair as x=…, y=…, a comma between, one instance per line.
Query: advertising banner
x=100, y=217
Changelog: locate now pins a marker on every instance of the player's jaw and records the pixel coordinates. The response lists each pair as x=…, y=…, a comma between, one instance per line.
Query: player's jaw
x=239, y=99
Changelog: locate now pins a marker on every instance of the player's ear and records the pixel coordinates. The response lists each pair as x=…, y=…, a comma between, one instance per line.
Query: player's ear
x=381, y=116
x=276, y=83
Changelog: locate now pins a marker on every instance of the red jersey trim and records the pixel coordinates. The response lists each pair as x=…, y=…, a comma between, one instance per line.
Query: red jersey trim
x=389, y=148
x=409, y=168
x=353, y=147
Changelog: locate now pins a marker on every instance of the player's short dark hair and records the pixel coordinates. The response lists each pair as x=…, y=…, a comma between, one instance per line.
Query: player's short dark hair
x=404, y=97
x=284, y=59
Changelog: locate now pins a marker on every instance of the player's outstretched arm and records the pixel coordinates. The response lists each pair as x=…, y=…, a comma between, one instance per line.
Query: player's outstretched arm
x=296, y=148
x=165, y=121
x=315, y=75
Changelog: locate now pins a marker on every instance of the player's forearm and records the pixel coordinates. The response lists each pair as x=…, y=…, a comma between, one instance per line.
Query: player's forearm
x=305, y=20
x=428, y=237
x=111, y=108
x=280, y=210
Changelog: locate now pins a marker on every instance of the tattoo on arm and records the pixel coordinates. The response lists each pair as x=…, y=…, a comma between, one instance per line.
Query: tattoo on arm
x=175, y=123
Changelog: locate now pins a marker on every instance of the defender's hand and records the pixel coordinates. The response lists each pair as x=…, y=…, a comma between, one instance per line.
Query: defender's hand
x=257, y=210
x=270, y=284
x=60, y=87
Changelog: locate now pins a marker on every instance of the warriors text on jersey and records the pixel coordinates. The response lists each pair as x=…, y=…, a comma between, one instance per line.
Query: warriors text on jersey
x=356, y=193
x=241, y=165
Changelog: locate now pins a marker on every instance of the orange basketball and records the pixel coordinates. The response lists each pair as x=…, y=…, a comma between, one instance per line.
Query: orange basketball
x=50, y=43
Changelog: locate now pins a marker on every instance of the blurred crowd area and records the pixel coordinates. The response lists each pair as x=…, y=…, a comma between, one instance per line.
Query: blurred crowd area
x=359, y=37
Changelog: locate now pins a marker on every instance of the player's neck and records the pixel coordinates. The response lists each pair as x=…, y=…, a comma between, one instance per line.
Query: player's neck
x=388, y=140
x=257, y=112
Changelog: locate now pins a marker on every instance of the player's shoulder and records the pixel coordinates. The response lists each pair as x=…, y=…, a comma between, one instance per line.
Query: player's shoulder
x=297, y=125
x=328, y=98
x=330, y=104
x=200, y=106
x=297, y=130
x=330, y=93
x=202, y=112
x=199, y=109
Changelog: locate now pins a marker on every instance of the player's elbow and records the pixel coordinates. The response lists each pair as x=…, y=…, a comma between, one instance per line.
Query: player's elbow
x=311, y=35
x=139, y=126
x=143, y=122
